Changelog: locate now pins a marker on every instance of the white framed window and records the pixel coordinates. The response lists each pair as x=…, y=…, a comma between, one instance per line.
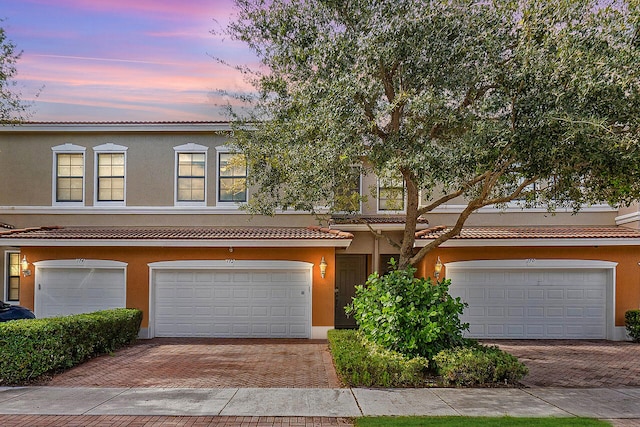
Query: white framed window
x=68, y=175
x=12, y=276
x=190, y=175
x=110, y=175
x=391, y=193
x=231, y=177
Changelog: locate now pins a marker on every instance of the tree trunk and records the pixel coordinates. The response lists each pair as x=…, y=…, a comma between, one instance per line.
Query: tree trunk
x=409, y=236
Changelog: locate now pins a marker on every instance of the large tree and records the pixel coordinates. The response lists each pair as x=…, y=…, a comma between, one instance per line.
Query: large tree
x=12, y=108
x=488, y=100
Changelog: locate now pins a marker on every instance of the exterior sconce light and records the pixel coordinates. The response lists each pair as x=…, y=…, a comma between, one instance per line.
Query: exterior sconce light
x=24, y=264
x=323, y=268
x=438, y=268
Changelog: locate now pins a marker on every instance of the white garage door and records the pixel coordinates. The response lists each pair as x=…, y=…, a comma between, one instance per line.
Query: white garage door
x=533, y=303
x=232, y=303
x=64, y=291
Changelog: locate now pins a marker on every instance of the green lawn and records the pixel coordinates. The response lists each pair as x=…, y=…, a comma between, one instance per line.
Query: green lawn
x=476, y=422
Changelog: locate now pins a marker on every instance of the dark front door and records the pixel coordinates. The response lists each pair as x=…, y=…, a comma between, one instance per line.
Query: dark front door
x=351, y=270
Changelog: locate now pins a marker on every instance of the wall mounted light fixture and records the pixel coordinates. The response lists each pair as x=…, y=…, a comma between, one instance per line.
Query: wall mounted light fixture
x=438, y=268
x=323, y=267
x=24, y=264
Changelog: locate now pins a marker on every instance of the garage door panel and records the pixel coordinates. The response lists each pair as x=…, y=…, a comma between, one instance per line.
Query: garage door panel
x=533, y=304
x=241, y=277
x=495, y=312
x=247, y=304
x=65, y=291
x=515, y=311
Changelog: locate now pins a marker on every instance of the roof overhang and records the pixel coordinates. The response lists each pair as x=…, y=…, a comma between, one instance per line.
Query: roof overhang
x=198, y=237
x=176, y=243
x=467, y=243
x=191, y=127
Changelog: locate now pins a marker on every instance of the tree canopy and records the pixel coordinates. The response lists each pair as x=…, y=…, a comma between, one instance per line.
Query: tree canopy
x=487, y=100
x=11, y=107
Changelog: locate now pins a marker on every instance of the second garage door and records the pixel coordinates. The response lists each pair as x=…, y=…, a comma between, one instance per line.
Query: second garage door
x=234, y=303
x=532, y=302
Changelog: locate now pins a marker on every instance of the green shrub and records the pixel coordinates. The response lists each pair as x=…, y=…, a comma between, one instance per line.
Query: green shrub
x=478, y=365
x=361, y=363
x=31, y=348
x=407, y=314
x=632, y=323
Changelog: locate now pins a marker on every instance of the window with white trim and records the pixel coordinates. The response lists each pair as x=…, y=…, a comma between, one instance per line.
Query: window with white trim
x=191, y=175
x=12, y=276
x=391, y=192
x=232, y=177
x=110, y=174
x=68, y=174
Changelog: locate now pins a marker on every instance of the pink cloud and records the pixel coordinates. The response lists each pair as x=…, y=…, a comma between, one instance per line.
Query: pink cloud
x=171, y=88
x=169, y=8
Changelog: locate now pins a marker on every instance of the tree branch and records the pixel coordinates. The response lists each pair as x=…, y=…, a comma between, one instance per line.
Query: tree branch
x=377, y=235
x=451, y=196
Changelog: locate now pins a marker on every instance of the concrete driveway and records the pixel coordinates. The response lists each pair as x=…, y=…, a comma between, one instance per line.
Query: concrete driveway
x=209, y=363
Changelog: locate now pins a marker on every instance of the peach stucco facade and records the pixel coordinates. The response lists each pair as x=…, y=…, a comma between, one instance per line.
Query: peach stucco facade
x=47, y=229
x=137, y=260
x=627, y=289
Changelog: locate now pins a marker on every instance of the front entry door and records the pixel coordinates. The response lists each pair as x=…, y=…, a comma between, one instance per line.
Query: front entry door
x=351, y=270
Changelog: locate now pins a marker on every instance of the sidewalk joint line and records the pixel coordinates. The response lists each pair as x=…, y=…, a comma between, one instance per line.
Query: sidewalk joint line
x=356, y=400
x=435, y=391
x=108, y=400
x=228, y=401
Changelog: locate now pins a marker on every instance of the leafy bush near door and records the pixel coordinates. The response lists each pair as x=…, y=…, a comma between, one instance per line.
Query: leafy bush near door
x=409, y=318
x=31, y=348
x=407, y=314
x=632, y=323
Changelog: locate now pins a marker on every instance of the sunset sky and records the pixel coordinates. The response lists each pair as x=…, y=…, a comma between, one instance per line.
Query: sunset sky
x=124, y=60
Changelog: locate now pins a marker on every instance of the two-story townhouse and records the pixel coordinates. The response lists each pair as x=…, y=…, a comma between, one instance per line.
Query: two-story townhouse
x=146, y=215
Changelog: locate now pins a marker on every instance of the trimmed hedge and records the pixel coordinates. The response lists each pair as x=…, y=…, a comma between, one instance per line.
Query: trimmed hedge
x=478, y=366
x=362, y=363
x=33, y=347
x=632, y=323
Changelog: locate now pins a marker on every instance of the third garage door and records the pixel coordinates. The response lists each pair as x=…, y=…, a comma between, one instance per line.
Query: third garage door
x=533, y=303
x=256, y=303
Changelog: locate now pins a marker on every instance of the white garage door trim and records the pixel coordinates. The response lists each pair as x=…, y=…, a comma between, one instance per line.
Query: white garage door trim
x=77, y=264
x=552, y=264
x=229, y=264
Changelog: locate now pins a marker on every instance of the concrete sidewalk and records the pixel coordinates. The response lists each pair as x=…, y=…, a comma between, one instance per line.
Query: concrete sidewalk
x=601, y=403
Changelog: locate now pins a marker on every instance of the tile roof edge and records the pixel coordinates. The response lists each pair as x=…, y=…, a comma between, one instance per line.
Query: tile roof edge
x=338, y=233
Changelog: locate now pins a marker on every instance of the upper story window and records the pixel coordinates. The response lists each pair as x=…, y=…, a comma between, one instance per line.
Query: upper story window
x=12, y=276
x=391, y=193
x=232, y=177
x=191, y=174
x=348, y=197
x=68, y=171
x=110, y=174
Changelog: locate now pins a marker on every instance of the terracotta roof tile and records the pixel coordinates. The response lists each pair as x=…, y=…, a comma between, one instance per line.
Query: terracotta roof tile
x=556, y=232
x=174, y=233
x=378, y=219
